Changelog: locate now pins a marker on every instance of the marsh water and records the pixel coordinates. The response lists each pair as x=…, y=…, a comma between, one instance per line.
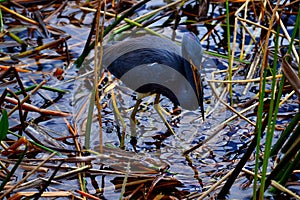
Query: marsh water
x=156, y=148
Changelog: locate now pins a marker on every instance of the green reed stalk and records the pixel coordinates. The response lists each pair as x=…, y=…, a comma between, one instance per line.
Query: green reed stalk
x=229, y=51
x=12, y=171
x=1, y=22
x=259, y=130
x=273, y=111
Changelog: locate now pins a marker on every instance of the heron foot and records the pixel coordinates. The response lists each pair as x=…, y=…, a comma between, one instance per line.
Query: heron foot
x=133, y=142
x=158, y=109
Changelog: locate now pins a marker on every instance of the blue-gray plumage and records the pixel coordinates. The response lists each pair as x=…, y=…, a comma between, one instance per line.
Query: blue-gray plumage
x=149, y=64
x=155, y=65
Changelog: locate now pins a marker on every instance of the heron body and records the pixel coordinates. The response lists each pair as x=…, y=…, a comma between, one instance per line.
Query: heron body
x=155, y=65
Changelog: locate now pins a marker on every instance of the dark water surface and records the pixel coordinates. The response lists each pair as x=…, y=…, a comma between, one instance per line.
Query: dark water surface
x=155, y=147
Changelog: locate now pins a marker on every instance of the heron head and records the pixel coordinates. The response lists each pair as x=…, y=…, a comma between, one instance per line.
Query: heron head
x=191, y=50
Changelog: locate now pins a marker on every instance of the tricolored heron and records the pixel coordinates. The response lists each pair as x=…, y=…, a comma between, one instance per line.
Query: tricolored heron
x=155, y=65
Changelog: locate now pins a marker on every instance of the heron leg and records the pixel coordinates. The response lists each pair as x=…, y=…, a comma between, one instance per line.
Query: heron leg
x=133, y=123
x=118, y=118
x=159, y=111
